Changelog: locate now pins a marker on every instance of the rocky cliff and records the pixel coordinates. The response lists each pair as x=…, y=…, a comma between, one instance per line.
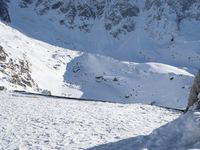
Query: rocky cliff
x=119, y=17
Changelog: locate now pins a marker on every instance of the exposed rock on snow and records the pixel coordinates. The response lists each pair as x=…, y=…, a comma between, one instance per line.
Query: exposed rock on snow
x=129, y=82
x=17, y=70
x=83, y=14
x=3, y=88
x=194, y=92
x=119, y=17
x=46, y=92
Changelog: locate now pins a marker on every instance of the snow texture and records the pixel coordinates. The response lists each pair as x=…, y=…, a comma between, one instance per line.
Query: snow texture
x=180, y=134
x=32, y=122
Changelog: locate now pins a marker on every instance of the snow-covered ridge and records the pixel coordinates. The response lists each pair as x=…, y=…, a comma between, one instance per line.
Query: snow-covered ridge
x=76, y=74
x=140, y=31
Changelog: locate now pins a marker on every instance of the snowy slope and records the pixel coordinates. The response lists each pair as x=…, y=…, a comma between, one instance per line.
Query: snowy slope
x=124, y=51
x=105, y=39
x=47, y=63
x=46, y=123
x=71, y=73
x=132, y=30
x=180, y=134
x=105, y=78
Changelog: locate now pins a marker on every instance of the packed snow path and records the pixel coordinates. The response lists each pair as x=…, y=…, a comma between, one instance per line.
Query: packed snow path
x=44, y=123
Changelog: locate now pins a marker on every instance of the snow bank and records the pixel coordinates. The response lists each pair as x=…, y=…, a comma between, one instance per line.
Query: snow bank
x=182, y=133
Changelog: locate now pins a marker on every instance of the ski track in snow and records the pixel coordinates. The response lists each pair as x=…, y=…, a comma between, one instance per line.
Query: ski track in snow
x=31, y=122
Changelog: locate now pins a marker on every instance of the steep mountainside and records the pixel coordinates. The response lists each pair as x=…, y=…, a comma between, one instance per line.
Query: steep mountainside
x=118, y=17
x=107, y=37
x=135, y=30
x=29, y=64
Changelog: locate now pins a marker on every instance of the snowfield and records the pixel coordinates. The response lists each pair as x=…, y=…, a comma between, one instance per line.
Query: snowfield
x=32, y=122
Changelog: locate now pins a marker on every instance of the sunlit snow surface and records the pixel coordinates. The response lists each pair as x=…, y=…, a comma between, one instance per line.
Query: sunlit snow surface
x=77, y=74
x=45, y=123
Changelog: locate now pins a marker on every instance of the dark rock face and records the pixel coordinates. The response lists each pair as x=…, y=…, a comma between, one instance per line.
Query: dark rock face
x=82, y=15
x=181, y=8
x=56, y=5
x=121, y=14
x=25, y=3
x=118, y=17
x=4, y=14
x=194, y=92
x=3, y=55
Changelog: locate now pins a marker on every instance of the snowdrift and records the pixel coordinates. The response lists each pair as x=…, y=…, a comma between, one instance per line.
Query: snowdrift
x=182, y=133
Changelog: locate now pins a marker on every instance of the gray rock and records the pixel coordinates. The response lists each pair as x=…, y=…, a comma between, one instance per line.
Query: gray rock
x=46, y=92
x=119, y=17
x=195, y=91
x=82, y=14
x=3, y=88
x=3, y=54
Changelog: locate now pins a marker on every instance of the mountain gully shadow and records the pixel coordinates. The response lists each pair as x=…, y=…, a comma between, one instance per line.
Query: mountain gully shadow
x=77, y=76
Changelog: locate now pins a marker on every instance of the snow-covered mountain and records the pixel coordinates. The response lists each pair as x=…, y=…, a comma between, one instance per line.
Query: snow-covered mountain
x=123, y=51
x=135, y=30
x=119, y=51
x=29, y=64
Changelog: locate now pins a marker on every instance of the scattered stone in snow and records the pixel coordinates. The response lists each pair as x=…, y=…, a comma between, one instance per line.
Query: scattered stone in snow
x=3, y=88
x=46, y=92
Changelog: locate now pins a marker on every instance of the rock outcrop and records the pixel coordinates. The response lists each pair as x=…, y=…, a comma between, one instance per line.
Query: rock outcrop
x=17, y=70
x=119, y=17
x=194, y=93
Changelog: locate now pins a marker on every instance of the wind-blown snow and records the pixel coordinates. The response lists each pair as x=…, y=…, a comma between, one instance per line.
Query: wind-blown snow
x=45, y=123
